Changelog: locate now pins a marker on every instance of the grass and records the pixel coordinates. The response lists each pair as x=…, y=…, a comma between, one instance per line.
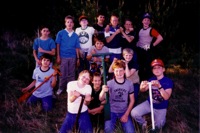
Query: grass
x=16, y=72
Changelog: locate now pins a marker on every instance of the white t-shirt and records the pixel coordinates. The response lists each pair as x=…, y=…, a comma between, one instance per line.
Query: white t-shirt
x=85, y=37
x=74, y=106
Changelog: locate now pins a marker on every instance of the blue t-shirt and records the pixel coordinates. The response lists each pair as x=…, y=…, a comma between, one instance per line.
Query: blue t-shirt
x=68, y=44
x=158, y=101
x=48, y=45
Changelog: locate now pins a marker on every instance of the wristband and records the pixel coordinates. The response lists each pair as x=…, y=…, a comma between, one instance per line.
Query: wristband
x=160, y=88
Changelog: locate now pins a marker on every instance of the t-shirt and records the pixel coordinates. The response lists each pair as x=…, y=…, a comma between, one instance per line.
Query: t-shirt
x=74, y=106
x=40, y=76
x=158, y=101
x=119, y=95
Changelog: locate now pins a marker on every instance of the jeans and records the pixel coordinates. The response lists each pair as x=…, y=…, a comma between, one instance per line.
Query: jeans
x=85, y=125
x=110, y=124
x=46, y=102
x=144, y=108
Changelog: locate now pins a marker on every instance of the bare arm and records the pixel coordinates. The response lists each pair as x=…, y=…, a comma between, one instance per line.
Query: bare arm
x=58, y=54
x=158, y=40
x=124, y=118
x=52, y=52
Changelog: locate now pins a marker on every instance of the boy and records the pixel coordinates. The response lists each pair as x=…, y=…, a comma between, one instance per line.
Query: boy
x=96, y=106
x=68, y=47
x=77, y=89
x=45, y=92
x=97, y=48
x=113, y=37
x=100, y=25
x=43, y=44
x=145, y=46
x=85, y=34
x=161, y=91
x=131, y=70
x=121, y=99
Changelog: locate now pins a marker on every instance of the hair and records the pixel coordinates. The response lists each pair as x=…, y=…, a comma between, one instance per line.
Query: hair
x=99, y=38
x=84, y=71
x=46, y=56
x=101, y=12
x=118, y=64
x=96, y=74
x=127, y=50
x=69, y=17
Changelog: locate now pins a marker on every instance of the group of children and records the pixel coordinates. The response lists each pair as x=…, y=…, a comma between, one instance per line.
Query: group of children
x=74, y=54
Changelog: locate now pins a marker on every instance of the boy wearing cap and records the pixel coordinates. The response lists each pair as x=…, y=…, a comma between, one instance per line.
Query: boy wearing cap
x=161, y=91
x=145, y=45
x=85, y=34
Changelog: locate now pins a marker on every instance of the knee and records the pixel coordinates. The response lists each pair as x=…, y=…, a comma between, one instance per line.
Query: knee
x=134, y=113
x=159, y=124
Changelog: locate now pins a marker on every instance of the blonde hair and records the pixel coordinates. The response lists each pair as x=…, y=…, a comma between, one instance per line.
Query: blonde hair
x=84, y=71
x=127, y=50
x=118, y=64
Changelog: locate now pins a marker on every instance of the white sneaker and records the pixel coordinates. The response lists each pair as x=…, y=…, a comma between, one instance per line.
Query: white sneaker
x=59, y=91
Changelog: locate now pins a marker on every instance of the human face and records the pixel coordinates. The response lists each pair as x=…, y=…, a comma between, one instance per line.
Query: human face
x=84, y=78
x=84, y=22
x=146, y=22
x=99, y=45
x=45, y=32
x=69, y=24
x=158, y=70
x=128, y=56
x=96, y=82
x=114, y=21
x=45, y=62
x=128, y=25
x=101, y=19
x=119, y=73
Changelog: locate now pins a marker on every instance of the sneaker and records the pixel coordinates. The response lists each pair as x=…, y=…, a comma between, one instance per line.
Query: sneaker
x=59, y=91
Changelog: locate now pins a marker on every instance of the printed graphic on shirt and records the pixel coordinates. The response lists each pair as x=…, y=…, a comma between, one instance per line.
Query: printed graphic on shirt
x=83, y=37
x=156, y=96
x=119, y=95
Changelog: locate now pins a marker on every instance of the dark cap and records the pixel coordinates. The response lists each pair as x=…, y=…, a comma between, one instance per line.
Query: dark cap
x=146, y=15
x=82, y=17
x=157, y=62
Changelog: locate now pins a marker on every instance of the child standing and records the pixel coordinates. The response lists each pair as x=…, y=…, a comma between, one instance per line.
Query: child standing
x=68, y=47
x=85, y=34
x=121, y=99
x=161, y=91
x=145, y=46
x=45, y=92
x=43, y=44
x=74, y=93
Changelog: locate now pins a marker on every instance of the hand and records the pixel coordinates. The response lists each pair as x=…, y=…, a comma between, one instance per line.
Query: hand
x=40, y=50
x=58, y=60
x=156, y=83
x=76, y=93
x=144, y=84
x=25, y=89
x=107, y=28
x=105, y=88
x=124, y=118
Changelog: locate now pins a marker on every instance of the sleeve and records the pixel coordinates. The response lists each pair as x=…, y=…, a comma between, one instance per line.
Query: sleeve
x=35, y=44
x=154, y=33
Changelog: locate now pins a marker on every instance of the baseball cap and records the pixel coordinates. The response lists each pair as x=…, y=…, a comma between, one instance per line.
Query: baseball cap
x=146, y=15
x=82, y=17
x=157, y=62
